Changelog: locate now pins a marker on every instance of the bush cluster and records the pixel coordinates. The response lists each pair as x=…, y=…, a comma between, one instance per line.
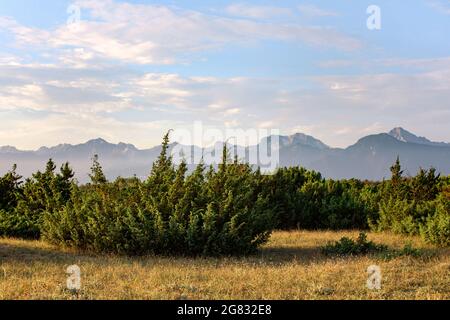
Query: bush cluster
x=231, y=209
x=418, y=205
x=304, y=200
x=346, y=246
x=361, y=246
x=208, y=212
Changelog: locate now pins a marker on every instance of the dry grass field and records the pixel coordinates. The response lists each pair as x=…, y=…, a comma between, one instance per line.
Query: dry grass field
x=290, y=266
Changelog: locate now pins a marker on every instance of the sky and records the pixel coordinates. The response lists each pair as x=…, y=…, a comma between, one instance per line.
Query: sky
x=128, y=71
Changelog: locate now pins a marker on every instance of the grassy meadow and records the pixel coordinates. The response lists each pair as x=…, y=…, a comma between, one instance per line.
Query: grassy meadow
x=290, y=266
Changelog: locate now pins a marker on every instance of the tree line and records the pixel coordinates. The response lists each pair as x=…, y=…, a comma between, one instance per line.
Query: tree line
x=227, y=210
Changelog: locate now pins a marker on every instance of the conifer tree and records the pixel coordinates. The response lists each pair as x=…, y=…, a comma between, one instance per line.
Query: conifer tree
x=63, y=182
x=177, y=188
x=39, y=194
x=162, y=168
x=424, y=186
x=396, y=178
x=97, y=176
x=160, y=180
x=396, y=172
x=9, y=188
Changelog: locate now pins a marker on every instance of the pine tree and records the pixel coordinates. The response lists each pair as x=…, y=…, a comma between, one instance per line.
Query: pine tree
x=38, y=195
x=176, y=190
x=163, y=166
x=194, y=197
x=97, y=176
x=424, y=186
x=161, y=179
x=63, y=182
x=9, y=188
x=396, y=171
x=50, y=167
x=396, y=178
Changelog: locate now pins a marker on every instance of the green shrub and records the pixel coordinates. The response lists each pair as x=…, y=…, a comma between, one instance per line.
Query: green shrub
x=436, y=229
x=282, y=188
x=218, y=213
x=107, y=220
x=45, y=191
x=409, y=250
x=349, y=247
x=9, y=189
x=20, y=223
x=346, y=246
x=430, y=219
x=397, y=215
x=304, y=200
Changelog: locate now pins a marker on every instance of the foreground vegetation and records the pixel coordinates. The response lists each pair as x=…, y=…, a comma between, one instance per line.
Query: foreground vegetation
x=290, y=266
x=229, y=210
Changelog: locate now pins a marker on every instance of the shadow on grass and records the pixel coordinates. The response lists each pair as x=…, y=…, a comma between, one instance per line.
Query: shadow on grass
x=29, y=253
x=282, y=255
x=18, y=252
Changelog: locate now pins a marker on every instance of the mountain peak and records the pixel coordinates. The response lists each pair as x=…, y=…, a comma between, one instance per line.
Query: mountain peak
x=405, y=136
x=301, y=138
x=298, y=139
x=8, y=149
x=97, y=141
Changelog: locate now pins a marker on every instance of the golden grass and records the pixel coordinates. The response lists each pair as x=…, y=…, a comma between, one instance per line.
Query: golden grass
x=290, y=266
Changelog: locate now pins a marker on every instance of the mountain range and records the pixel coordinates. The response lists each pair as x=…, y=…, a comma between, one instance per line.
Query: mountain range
x=369, y=158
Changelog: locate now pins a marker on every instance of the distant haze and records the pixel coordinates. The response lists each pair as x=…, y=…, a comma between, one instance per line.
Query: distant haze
x=369, y=158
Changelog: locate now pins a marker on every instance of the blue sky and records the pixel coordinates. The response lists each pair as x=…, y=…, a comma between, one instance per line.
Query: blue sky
x=130, y=70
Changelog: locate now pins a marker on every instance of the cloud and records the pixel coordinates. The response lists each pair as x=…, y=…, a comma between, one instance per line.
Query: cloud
x=105, y=101
x=154, y=34
x=232, y=111
x=257, y=12
x=267, y=124
x=414, y=100
x=418, y=64
x=425, y=63
x=442, y=6
x=75, y=104
x=22, y=33
x=314, y=11
x=56, y=89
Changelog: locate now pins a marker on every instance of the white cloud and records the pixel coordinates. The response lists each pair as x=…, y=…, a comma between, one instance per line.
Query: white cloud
x=233, y=111
x=256, y=12
x=267, y=125
x=55, y=89
x=232, y=124
x=383, y=91
x=22, y=33
x=417, y=64
x=425, y=63
x=103, y=102
x=442, y=6
x=306, y=129
x=314, y=11
x=152, y=34
x=78, y=104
